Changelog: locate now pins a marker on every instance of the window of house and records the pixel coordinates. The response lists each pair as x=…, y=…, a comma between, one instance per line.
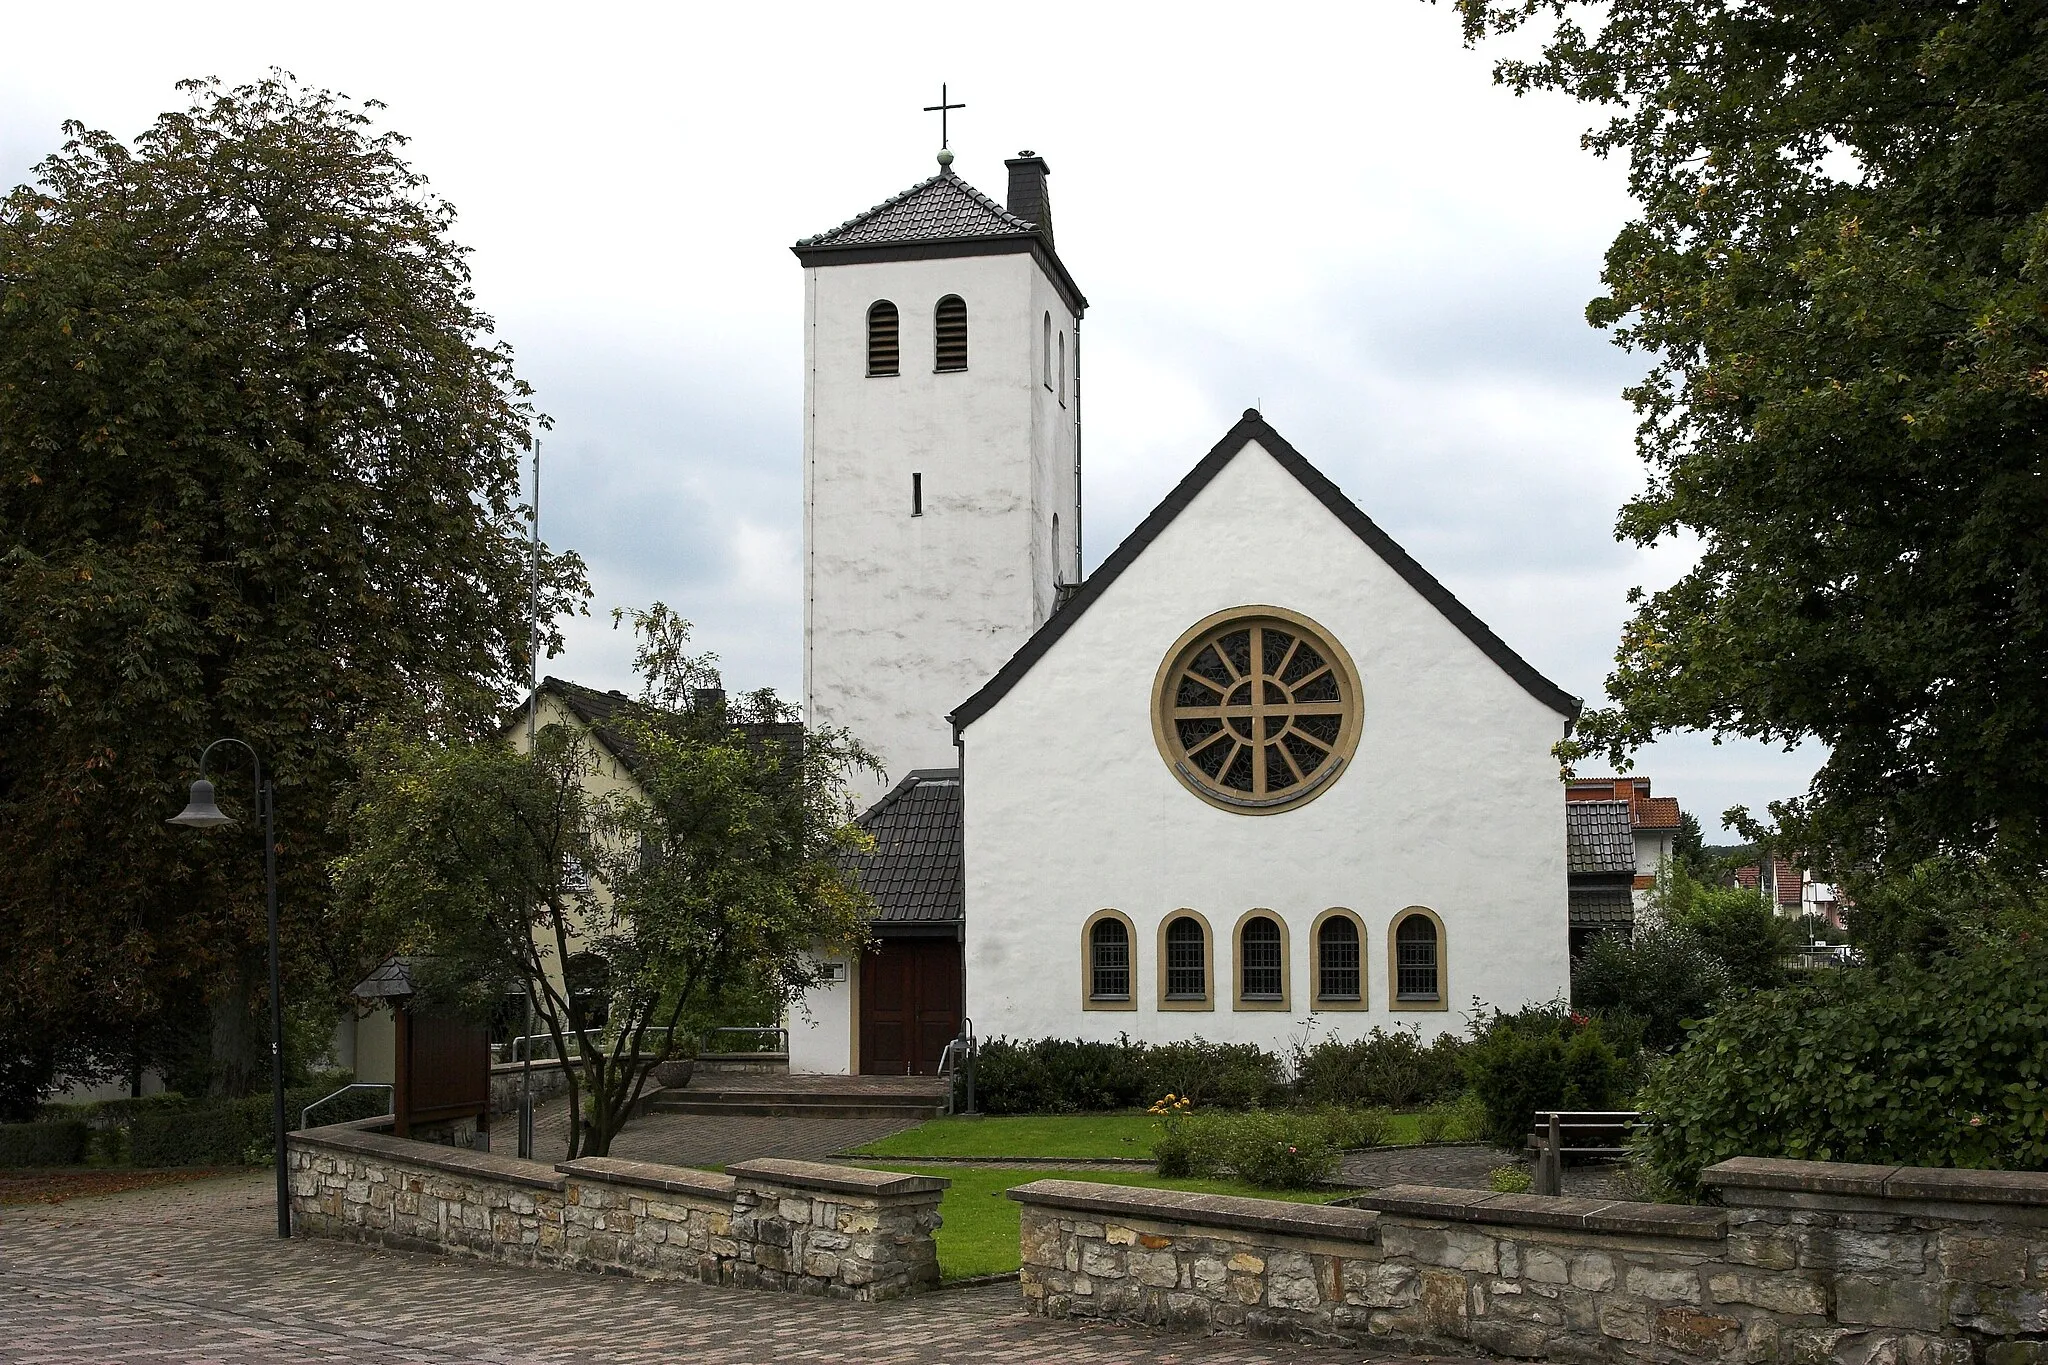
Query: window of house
x=1063, y=369
x=1256, y=711
x=1187, y=960
x=1046, y=352
x=1339, y=978
x=882, y=335
x=949, y=333
x=1418, y=959
x=1259, y=956
x=1109, y=952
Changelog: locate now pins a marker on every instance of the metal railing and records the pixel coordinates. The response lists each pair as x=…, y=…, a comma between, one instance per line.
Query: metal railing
x=771, y=1033
x=957, y=1059
x=359, y=1085
x=535, y=1041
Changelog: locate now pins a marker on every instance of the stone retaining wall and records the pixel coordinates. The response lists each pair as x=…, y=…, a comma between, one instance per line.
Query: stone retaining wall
x=1808, y=1262
x=797, y=1226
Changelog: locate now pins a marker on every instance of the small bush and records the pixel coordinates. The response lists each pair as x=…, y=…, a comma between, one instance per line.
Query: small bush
x=1939, y=1065
x=1189, y=1146
x=1347, y=1128
x=1509, y=1180
x=43, y=1144
x=1386, y=1067
x=1543, y=1057
x=228, y=1132
x=1277, y=1151
x=1663, y=977
x=1225, y=1075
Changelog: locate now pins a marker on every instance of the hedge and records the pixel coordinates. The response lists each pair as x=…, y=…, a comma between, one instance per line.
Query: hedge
x=1545, y=1057
x=1944, y=1065
x=1063, y=1076
x=232, y=1132
x=1386, y=1068
x=42, y=1144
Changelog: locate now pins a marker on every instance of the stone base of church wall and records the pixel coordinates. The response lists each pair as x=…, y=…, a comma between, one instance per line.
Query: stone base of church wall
x=792, y=1226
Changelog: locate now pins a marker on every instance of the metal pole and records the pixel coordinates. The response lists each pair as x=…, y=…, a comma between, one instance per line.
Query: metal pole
x=284, y=1193
x=532, y=720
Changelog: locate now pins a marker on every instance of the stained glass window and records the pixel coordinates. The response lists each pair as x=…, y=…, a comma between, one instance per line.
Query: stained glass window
x=1257, y=713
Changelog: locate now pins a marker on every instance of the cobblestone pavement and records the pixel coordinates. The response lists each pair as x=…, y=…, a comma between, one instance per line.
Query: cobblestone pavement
x=1461, y=1167
x=195, y=1273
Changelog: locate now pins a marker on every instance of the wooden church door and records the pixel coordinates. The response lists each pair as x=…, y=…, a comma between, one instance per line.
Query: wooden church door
x=909, y=1005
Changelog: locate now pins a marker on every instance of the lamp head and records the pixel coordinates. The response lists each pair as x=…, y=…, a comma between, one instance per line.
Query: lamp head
x=200, y=811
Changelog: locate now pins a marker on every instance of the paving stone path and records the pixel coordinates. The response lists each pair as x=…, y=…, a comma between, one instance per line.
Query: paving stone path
x=195, y=1273
x=702, y=1139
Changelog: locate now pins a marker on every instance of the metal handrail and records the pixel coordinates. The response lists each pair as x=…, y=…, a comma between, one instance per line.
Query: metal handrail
x=780, y=1034
x=359, y=1085
x=513, y=1053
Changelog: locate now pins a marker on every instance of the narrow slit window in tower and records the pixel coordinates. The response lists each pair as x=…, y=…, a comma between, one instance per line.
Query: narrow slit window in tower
x=917, y=495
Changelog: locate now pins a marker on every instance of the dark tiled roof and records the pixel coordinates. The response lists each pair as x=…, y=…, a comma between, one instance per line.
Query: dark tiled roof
x=914, y=872
x=1598, y=838
x=601, y=710
x=1602, y=905
x=940, y=209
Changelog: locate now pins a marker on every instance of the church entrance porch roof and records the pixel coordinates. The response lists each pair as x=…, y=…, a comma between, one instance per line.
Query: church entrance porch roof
x=914, y=872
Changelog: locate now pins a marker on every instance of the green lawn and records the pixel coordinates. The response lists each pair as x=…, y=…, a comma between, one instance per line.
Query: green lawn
x=979, y=1236
x=1067, y=1136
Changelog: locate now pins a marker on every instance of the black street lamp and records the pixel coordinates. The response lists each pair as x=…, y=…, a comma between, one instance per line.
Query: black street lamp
x=201, y=813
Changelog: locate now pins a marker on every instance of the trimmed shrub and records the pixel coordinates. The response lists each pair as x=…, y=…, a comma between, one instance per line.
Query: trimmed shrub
x=1277, y=1151
x=231, y=1132
x=1942, y=1065
x=1664, y=977
x=1063, y=1076
x=1391, y=1068
x=1347, y=1128
x=43, y=1144
x=1543, y=1057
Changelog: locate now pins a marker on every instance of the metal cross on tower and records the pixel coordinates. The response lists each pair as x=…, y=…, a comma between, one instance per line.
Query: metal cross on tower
x=941, y=109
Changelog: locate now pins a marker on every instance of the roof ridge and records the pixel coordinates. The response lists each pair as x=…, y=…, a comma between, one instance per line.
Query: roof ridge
x=1249, y=428
x=1019, y=226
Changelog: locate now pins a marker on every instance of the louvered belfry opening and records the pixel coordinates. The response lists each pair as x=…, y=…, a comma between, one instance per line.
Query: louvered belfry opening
x=950, y=332
x=882, y=334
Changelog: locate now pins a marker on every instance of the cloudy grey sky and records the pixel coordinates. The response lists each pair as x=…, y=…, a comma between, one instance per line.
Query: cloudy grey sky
x=1328, y=211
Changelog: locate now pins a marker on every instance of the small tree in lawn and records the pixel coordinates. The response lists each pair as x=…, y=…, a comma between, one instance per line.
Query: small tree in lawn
x=722, y=871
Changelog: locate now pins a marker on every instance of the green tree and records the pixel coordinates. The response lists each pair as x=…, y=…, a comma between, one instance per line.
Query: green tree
x=1944, y=905
x=1734, y=925
x=717, y=874
x=259, y=463
x=1662, y=977
x=1837, y=270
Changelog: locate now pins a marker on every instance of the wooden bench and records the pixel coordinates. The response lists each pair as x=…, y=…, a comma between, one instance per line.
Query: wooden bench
x=1585, y=1134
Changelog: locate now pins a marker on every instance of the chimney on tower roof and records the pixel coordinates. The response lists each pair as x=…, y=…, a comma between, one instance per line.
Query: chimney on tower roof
x=1028, y=198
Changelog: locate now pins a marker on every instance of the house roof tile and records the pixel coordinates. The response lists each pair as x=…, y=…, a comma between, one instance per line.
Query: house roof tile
x=914, y=872
x=1602, y=905
x=1598, y=838
x=942, y=208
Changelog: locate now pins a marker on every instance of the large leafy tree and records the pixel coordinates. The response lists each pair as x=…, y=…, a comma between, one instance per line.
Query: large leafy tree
x=716, y=872
x=259, y=463
x=1838, y=272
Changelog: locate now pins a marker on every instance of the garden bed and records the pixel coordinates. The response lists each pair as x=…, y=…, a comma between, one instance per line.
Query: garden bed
x=1073, y=1137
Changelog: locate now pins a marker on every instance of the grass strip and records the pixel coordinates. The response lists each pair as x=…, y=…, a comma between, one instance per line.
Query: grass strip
x=1071, y=1137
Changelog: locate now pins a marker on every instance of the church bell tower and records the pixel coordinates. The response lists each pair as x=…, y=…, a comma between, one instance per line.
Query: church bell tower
x=942, y=454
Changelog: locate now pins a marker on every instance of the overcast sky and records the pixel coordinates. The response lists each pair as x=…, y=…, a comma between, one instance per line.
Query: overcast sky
x=1326, y=211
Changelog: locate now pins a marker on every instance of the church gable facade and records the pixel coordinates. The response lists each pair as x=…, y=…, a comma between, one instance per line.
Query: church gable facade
x=1262, y=768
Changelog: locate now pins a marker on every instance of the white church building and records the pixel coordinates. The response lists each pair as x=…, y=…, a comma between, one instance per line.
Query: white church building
x=1258, y=768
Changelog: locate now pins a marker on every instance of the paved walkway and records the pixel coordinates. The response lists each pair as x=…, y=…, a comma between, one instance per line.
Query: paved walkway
x=1461, y=1167
x=195, y=1273
x=715, y=1140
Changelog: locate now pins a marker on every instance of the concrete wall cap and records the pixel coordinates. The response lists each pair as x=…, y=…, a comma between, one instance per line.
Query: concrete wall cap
x=650, y=1175
x=1807, y=1177
x=345, y=1137
x=1203, y=1210
x=817, y=1175
x=1688, y=1221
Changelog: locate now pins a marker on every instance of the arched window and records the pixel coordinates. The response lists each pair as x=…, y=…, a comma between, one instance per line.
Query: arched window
x=882, y=333
x=1184, y=963
x=949, y=333
x=1261, y=962
x=1109, y=960
x=1047, y=353
x=1418, y=960
x=1063, y=369
x=1340, y=976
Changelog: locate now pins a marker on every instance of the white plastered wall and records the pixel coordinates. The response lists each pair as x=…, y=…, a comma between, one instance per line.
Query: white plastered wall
x=905, y=616
x=822, y=1024
x=1451, y=801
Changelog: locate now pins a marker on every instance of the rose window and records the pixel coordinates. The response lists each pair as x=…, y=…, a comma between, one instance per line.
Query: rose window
x=1258, y=711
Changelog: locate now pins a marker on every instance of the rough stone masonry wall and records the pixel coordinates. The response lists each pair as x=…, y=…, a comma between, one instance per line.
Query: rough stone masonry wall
x=796, y=1226
x=1809, y=1262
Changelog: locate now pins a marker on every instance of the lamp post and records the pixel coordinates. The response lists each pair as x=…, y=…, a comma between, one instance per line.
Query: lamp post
x=201, y=813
